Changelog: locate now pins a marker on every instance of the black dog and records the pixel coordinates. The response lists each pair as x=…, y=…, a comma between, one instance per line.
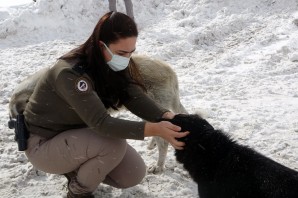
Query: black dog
x=224, y=169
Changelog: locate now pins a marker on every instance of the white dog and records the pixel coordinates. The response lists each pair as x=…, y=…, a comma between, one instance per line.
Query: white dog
x=160, y=81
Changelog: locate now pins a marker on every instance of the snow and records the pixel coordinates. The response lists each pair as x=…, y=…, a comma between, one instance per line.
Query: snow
x=11, y=3
x=236, y=60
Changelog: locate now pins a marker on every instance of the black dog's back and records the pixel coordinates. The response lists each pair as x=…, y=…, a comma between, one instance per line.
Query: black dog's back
x=224, y=169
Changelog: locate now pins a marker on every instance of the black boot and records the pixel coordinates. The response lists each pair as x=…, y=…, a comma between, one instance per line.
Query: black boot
x=69, y=176
x=72, y=176
x=85, y=195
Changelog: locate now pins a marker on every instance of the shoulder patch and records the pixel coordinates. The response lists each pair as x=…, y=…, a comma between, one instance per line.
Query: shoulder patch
x=82, y=85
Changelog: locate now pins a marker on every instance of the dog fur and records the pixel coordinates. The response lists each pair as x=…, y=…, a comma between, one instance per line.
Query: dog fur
x=222, y=168
x=160, y=81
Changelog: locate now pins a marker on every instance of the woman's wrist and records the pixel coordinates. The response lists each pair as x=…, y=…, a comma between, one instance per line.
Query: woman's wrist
x=150, y=129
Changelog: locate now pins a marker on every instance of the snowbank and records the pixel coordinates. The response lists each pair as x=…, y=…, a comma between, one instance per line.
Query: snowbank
x=235, y=59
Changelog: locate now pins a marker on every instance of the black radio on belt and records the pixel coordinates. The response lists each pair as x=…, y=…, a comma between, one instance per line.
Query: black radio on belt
x=21, y=133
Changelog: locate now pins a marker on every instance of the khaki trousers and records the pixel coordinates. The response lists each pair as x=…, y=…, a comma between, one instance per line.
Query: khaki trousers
x=95, y=158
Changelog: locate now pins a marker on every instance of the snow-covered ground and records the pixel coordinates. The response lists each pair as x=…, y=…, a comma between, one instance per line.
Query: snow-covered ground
x=237, y=60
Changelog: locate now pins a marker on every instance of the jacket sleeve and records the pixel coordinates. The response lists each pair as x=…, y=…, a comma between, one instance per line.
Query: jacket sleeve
x=78, y=92
x=140, y=104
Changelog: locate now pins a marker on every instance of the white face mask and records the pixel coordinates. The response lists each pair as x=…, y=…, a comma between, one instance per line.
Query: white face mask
x=117, y=63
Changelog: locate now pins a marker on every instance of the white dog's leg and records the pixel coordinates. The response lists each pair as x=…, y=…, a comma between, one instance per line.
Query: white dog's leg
x=162, y=153
x=152, y=144
x=162, y=86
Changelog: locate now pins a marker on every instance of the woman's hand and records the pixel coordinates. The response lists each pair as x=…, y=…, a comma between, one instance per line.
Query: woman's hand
x=167, y=131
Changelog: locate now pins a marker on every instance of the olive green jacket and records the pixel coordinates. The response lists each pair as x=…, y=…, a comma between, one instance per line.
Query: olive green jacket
x=64, y=99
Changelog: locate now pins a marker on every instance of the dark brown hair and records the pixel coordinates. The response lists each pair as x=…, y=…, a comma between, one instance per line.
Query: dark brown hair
x=109, y=85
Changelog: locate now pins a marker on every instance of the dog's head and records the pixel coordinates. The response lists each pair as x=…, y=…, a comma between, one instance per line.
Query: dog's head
x=200, y=130
x=191, y=122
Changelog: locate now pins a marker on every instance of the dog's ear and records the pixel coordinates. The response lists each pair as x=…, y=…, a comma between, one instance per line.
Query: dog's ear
x=206, y=125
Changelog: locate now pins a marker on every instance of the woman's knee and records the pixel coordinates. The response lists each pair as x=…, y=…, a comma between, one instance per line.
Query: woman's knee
x=130, y=171
x=136, y=179
x=126, y=180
